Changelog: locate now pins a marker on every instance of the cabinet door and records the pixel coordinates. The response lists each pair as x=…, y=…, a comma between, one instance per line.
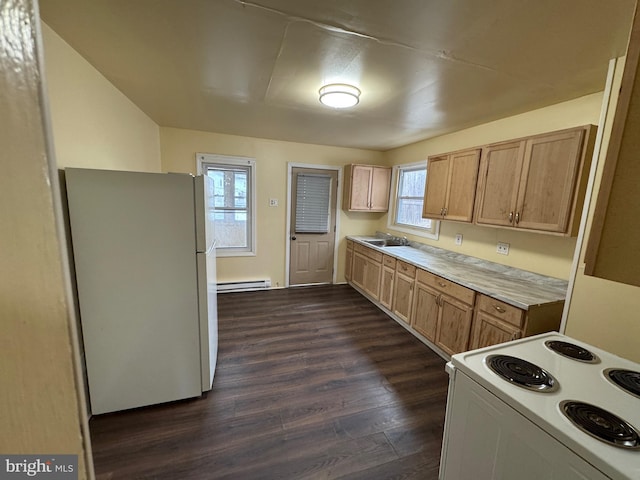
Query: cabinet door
x=379, y=189
x=462, y=182
x=436, y=188
x=500, y=171
x=425, y=311
x=358, y=270
x=372, y=274
x=386, y=286
x=488, y=331
x=454, y=325
x=360, y=187
x=348, y=263
x=403, y=297
x=550, y=168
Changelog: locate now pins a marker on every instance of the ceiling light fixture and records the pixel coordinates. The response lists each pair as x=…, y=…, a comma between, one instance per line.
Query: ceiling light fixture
x=339, y=95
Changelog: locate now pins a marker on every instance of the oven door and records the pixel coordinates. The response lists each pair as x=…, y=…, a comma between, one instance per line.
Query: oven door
x=486, y=439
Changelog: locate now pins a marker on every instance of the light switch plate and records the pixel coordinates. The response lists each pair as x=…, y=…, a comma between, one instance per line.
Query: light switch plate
x=273, y=202
x=458, y=239
x=503, y=248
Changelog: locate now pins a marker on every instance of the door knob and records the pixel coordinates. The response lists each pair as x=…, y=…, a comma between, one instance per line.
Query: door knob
x=293, y=238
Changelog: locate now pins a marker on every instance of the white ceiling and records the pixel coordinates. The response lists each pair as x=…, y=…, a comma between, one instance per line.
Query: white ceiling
x=425, y=67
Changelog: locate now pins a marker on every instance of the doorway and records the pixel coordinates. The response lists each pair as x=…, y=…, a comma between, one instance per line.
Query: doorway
x=313, y=201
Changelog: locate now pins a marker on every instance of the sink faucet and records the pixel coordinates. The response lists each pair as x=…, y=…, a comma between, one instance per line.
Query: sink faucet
x=405, y=241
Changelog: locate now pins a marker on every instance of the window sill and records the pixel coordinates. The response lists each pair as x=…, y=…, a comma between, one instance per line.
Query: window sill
x=230, y=253
x=416, y=231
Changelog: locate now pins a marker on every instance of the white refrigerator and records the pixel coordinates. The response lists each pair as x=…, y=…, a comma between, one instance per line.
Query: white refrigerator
x=145, y=267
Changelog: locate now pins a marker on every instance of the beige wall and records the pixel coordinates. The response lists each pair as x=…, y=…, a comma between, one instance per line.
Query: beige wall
x=546, y=254
x=178, y=149
x=94, y=124
x=602, y=312
x=40, y=398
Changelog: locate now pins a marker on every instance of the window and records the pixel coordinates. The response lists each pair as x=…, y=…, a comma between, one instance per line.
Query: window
x=409, y=181
x=231, y=205
x=313, y=195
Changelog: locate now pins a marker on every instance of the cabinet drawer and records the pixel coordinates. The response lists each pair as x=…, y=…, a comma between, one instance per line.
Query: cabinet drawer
x=503, y=311
x=389, y=261
x=452, y=289
x=406, y=269
x=369, y=252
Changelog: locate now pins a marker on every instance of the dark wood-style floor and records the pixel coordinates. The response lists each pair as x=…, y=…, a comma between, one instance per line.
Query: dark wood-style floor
x=312, y=383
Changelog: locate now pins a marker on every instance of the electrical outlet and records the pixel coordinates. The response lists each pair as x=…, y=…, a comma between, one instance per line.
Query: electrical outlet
x=273, y=202
x=503, y=248
x=458, y=239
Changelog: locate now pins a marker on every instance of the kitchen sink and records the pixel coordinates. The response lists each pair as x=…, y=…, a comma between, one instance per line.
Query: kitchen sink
x=384, y=243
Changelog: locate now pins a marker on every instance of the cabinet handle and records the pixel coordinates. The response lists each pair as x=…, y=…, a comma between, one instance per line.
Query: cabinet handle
x=517, y=218
x=510, y=217
x=499, y=308
x=515, y=335
x=442, y=211
x=445, y=212
x=442, y=284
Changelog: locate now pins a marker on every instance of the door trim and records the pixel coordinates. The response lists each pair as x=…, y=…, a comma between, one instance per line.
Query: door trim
x=290, y=167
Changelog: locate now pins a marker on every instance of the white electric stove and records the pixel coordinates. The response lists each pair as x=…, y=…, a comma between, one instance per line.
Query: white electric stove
x=509, y=408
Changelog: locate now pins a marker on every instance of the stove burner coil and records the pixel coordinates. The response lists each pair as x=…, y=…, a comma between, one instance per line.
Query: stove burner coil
x=572, y=351
x=522, y=373
x=626, y=379
x=601, y=424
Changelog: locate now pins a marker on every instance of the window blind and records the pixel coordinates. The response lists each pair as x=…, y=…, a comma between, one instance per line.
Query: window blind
x=313, y=192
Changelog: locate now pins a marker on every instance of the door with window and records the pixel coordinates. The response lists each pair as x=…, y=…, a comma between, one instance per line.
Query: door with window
x=313, y=224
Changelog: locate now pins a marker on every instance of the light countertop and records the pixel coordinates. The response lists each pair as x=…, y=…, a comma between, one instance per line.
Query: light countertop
x=514, y=286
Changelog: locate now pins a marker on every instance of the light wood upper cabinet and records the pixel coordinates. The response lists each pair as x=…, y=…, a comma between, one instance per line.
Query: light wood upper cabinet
x=535, y=183
x=435, y=195
x=500, y=170
x=451, y=186
x=366, y=188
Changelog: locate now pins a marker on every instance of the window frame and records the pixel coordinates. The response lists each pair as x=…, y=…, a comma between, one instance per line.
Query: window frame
x=205, y=159
x=432, y=233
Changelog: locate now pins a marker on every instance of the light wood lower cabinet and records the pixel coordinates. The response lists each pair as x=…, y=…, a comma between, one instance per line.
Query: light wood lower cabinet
x=403, y=291
x=367, y=270
x=357, y=271
x=443, y=312
x=387, y=281
x=426, y=309
x=348, y=260
x=454, y=325
x=452, y=317
x=488, y=330
x=497, y=322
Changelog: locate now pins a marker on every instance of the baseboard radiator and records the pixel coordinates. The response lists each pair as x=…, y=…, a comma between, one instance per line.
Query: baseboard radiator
x=226, y=287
